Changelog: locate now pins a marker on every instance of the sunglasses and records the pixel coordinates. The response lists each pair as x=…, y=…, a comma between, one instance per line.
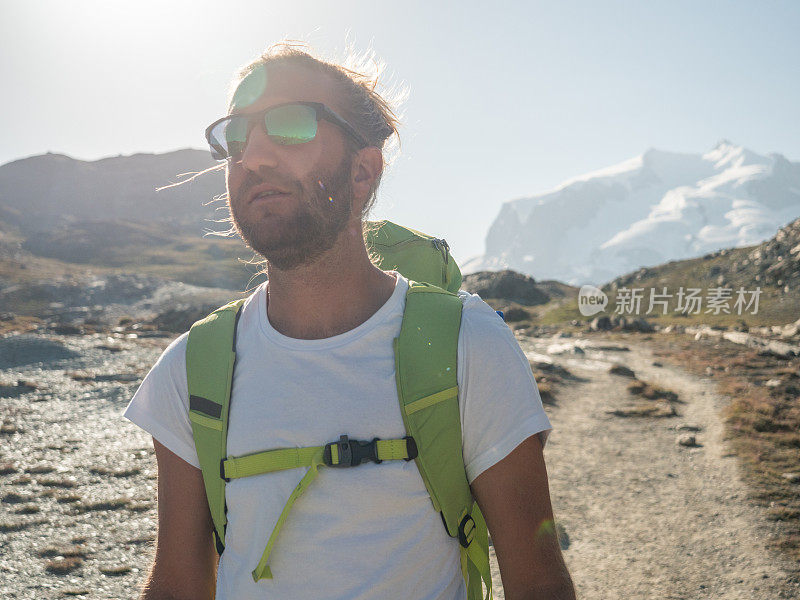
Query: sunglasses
x=285, y=124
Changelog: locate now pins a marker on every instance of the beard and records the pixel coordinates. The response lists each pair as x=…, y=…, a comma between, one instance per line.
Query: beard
x=324, y=203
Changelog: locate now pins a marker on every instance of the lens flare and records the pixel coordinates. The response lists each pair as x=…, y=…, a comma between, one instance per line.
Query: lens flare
x=250, y=88
x=546, y=528
x=322, y=187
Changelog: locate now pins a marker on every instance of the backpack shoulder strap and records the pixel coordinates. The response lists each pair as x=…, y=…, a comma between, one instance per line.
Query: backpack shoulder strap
x=426, y=358
x=210, y=356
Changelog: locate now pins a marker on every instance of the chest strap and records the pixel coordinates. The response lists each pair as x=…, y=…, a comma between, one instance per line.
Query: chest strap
x=344, y=453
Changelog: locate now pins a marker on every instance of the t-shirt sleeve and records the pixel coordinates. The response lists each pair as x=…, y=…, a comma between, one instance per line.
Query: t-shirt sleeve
x=498, y=396
x=161, y=404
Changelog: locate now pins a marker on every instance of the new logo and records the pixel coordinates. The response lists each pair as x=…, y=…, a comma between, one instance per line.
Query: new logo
x=591, y=300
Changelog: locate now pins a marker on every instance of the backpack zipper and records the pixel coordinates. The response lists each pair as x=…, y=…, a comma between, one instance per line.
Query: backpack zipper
x=441, y=245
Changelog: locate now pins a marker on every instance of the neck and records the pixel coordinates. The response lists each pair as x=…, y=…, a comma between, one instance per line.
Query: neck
x=330, y=295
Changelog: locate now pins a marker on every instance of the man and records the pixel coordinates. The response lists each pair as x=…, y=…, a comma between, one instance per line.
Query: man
x=315, y=359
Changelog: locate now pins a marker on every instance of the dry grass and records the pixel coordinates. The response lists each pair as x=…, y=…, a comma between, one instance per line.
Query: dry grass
x=549, y=377
x=19, y=324
x=67, y=498
x=62, y=551
x=651, y=392
x=58, y=482
x=649, y=400
x=645, y=409
x=622, y=370
x=19, y=525
x=63, y=566
x=147, y=540
x=10, y=428
x=115, y=570
x=15, y=498
x=40, y=469
x=110, y=504
x=115, y=472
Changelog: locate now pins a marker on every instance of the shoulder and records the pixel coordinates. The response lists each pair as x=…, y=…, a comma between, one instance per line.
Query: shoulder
x=174, y=355
x=479, y=321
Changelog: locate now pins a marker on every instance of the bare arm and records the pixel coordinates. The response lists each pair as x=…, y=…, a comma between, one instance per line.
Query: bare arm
x=185, y=566
x=514, y=497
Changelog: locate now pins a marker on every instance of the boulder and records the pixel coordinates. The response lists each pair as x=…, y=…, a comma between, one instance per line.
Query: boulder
x=600, y=324
x=505, y=285
x=181, y=318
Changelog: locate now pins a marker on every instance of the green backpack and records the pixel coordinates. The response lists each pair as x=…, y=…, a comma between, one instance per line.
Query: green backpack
x=427, y=387
x=416, y=255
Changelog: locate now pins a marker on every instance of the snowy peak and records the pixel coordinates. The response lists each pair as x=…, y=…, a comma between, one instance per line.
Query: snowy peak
x=655, y=207
x=725, y=155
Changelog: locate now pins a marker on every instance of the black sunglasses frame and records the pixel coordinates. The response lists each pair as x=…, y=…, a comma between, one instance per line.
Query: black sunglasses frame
x=321, y=111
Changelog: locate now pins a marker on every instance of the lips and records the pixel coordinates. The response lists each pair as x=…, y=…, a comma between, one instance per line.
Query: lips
x=265, y=192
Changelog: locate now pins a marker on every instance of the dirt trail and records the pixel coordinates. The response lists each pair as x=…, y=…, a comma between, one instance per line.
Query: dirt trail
x=646, y=517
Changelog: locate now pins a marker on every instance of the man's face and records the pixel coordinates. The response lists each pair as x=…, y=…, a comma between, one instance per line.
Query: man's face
x=295, y=227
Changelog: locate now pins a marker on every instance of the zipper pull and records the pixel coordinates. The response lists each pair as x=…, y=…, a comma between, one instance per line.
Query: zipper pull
x=441, y=246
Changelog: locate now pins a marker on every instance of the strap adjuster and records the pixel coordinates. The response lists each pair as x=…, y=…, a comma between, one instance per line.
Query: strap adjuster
x=411, y=447
x=466, y=535
x=351, y=453
x=222, y=471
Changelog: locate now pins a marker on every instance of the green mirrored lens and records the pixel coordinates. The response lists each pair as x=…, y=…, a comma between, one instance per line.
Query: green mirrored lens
x=292, y=124
x=236, y=135
x=228, y=137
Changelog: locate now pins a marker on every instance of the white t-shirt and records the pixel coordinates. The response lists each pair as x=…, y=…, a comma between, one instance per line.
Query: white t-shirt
x=357, y=533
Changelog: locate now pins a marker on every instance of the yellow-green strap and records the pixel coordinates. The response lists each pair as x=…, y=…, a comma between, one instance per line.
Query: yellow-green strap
x=268, y=461
x=427, y=401
x=262, y=571
x=477, y=557
x=289, y=458
x=392, y=449
x=205, y=421
x=292, y=458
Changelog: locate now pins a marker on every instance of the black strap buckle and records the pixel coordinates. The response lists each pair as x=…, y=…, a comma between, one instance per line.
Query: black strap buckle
x=351, y=452
x=222, y=471
x=218, y=543
x=411, y=447
x=465, y=536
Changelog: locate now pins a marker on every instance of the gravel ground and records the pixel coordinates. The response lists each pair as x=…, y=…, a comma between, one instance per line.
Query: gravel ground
x=643, y=517
x=78, y=484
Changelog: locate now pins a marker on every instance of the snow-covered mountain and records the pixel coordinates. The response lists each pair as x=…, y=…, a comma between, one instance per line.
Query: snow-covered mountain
x=648, y=210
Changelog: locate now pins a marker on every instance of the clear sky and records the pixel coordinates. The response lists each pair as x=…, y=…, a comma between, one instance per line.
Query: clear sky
x=506, y=99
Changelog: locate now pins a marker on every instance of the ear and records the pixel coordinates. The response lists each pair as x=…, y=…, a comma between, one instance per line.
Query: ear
x=366, y=170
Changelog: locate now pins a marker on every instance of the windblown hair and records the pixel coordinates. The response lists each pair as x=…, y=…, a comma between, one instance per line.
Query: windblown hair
x=370, y=113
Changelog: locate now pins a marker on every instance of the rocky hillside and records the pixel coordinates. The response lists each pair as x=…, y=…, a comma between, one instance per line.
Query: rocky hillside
x=774, y=263
x=769, y=270
x=773, y=267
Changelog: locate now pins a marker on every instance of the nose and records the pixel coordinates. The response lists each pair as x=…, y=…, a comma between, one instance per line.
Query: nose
x=259, y=151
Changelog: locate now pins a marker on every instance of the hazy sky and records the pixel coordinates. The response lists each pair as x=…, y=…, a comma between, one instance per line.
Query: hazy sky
x=506, y=99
